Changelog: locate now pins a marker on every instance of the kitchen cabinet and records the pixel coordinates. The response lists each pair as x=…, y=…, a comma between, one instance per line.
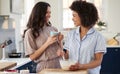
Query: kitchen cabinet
x=111, y=61
x=4, y=7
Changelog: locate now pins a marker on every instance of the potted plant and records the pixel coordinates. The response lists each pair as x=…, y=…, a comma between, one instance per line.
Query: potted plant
x=101, y=24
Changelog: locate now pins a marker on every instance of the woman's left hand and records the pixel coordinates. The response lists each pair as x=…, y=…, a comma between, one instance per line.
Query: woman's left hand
x=60, y=52
x=75, y=67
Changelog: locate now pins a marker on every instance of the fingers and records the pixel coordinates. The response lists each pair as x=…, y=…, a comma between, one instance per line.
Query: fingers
x=51, y=40
x=54, y=38
x=59, y=53
x=74, y=67
x=60, y=37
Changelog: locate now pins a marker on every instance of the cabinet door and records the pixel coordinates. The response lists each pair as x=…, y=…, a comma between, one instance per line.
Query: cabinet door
x=111, y=62
x=118, y=60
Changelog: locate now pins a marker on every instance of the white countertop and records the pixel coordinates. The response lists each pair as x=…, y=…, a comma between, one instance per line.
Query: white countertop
x=113, y=45
x=19, y=61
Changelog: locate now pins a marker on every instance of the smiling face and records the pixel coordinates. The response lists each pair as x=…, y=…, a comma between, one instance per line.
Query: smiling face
x=48, y=14
x=76, y=19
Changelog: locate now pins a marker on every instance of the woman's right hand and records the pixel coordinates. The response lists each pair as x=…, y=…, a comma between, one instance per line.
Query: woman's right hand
x=60, y=52
x=63, y=53
x=51, y=40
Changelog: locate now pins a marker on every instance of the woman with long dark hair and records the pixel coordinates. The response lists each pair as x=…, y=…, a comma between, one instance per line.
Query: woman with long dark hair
x=39, y=45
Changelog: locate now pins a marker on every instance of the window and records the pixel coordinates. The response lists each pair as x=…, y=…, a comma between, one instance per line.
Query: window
x=67, y=14
x=98, y=4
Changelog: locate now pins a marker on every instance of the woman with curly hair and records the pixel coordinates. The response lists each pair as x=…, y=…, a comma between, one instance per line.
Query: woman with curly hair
x=40, y=46
x=84, y=44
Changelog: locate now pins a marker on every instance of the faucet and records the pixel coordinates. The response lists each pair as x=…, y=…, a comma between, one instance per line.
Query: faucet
x=3, y=45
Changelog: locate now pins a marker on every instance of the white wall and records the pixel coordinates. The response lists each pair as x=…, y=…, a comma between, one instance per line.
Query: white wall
x=56, y=12
x=21, y=21
x=112, y=14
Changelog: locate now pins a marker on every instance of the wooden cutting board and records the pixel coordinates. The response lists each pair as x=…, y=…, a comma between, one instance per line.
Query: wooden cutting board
x=113, y=42
x=7, y=65
x=60, y=71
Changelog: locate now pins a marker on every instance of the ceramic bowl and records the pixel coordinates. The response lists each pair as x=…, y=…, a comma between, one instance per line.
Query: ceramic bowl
x=65, y=64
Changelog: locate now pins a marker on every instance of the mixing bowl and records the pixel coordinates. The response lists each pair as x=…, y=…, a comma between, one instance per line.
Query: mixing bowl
x=65, y=64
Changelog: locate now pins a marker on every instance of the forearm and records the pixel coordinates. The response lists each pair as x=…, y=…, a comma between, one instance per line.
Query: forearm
x=38, y=52
x=96, y=62
x=90, y=65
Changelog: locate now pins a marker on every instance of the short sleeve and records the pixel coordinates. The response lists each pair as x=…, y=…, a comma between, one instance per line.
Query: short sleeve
x=29, y=43
x=101, y=44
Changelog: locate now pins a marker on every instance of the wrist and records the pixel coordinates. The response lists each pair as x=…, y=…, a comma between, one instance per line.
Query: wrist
x=80, y=66
x=46, y=44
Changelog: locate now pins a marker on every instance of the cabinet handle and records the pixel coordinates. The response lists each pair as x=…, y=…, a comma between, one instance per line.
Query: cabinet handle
x=116, y=49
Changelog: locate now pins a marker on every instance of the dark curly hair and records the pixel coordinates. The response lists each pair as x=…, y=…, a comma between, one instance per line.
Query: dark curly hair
x=86, y=11
x=37, y=18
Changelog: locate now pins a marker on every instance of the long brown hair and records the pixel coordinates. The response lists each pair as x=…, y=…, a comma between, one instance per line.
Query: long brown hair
x=37, y=19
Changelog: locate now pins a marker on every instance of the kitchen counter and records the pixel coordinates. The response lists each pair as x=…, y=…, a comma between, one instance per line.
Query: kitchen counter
x=113, y=45
x=19, y=61
x=6, y=65
x=60, y=71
